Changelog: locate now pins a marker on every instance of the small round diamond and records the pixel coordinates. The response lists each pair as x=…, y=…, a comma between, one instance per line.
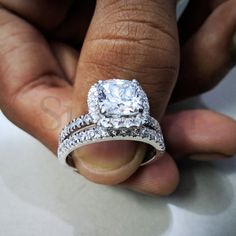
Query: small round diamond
x=117, y=123
x=104, y=122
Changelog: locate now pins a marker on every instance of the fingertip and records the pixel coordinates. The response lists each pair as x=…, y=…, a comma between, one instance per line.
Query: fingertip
x=199, y=131
x=109, y=163
x=159, y=178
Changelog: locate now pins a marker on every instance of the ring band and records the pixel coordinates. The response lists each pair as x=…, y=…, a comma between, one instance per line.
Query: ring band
x=118, y=110
x=86, y=120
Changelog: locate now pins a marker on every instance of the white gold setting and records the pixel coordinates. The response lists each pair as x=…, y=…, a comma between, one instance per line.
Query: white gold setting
x=100, y=134
x=118, y=110
x=126, y=100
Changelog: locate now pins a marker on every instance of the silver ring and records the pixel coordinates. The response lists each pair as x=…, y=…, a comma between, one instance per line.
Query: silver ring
x=118, y=110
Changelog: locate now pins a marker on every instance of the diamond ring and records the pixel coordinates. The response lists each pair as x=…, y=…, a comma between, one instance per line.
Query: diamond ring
x=117, y=110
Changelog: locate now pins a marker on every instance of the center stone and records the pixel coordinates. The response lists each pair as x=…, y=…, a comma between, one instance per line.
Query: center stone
x=119, y=98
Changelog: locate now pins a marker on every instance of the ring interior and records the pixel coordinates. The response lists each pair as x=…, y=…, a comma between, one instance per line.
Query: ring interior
x=150, y=153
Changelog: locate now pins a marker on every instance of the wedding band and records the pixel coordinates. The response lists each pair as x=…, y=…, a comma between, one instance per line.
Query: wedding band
x=117, y=110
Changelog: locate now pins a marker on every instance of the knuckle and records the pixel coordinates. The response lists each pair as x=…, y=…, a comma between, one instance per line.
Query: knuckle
x=136, y=41
x=119, y=57
x=113, y=58
x=136, y=33
x=137, y=21
x=133, y=43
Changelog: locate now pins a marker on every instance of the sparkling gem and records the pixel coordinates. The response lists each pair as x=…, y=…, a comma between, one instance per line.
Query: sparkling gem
x=82, y=136
x=117, y=123
x=79, y=123
x=95, y=117
x=91, y=134
x=120, y=98
x=104, y=122
x=87, y=120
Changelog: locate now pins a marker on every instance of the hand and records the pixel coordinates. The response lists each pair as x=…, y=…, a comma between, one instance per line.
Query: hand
x=208, y=51
x=128, y=45
x=207, y=33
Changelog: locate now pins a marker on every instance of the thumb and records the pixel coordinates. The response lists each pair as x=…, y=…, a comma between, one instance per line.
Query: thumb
x=126, y=40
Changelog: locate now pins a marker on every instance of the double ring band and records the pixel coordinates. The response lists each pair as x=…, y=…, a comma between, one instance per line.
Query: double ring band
x=118, y=110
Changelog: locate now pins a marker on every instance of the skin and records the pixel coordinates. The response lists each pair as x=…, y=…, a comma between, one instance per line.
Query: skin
x=45, y=76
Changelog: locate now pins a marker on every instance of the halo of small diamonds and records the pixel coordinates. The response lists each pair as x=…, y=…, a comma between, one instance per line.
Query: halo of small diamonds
x=97, y=99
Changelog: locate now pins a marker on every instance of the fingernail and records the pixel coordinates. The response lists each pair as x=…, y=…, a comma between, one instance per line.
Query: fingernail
x=207, y=157
x=109, y=162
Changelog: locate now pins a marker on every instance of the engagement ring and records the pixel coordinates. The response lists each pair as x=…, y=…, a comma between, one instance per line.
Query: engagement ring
x=117, y=110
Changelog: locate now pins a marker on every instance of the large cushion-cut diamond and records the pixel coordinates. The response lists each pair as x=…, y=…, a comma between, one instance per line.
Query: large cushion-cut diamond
x=119, y=98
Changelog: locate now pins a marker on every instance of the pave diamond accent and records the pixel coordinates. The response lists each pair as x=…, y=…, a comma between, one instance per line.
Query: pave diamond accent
x=86, y=120
x=75, y=125
x=99, y=134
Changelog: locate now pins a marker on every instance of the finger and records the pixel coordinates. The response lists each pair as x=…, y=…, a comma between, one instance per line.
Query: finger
x=158, y=178
x=209, y=54
x=193, y=17
x=32, y=83
x=65, y=20
x=138, y=40
x=67, y=58
x=199, y=132
x=46, y=14
x=75, y=25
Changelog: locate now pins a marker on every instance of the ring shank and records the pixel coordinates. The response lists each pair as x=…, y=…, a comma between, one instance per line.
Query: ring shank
x=97, y=134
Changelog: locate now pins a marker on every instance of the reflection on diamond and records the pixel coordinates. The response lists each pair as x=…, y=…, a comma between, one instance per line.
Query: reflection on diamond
x=119, y=98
